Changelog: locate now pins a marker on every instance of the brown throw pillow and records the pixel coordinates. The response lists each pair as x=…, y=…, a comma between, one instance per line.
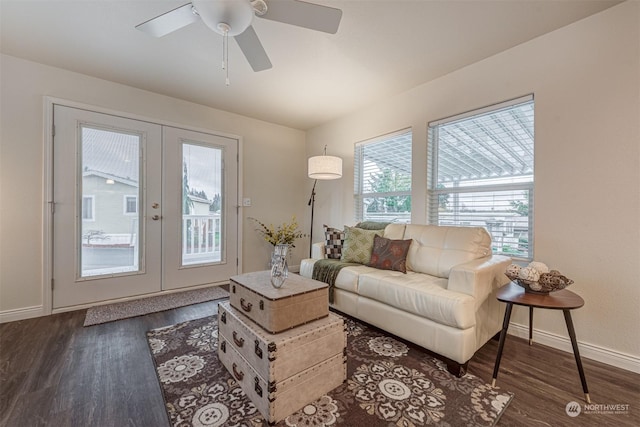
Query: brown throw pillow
x=390, y=254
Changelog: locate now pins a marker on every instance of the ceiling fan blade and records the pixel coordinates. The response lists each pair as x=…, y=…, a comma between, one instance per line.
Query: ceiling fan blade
x=252, y=48
x=170, y=21
x=302, y=14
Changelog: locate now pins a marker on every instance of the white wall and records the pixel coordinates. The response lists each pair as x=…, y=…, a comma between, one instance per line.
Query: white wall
x=273, y=164
x=586, y=81
x=585, y=78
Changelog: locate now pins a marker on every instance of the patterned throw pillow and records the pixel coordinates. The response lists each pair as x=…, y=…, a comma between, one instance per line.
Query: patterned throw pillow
x=358, y=244
x=390, y=254
x=334, y=240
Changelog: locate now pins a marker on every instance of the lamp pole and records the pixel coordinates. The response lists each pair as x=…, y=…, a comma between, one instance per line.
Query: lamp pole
x=312, y=202
x=321, y=167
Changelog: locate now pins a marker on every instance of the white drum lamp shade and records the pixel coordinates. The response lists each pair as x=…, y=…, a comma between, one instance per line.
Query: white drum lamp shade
x=325, y=167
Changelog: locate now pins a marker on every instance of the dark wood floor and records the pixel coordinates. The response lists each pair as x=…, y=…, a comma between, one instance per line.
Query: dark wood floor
x=55, y=372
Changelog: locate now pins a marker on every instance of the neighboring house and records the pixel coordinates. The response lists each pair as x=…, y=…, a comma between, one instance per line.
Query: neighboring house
x=199, y=206
x=110, y=187
x=109, y=209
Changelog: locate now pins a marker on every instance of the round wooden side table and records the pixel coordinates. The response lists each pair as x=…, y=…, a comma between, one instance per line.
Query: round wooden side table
x=559, y=300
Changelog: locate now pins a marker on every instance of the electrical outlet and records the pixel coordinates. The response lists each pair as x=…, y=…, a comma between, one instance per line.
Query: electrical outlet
x=246, y=202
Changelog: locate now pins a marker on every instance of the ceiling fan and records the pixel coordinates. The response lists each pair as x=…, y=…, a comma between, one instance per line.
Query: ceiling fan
x=234, y=17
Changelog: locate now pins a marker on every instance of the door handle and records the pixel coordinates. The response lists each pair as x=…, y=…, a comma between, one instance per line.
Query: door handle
x=155, y=217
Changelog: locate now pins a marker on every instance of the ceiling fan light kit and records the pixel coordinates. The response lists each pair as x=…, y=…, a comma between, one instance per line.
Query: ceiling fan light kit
x=235, y=14
x=234, y=18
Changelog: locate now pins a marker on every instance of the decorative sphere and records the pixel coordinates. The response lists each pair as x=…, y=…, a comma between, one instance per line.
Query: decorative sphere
x=529, y=273
x=540, y=266
x=513, y=270
x=535, y=286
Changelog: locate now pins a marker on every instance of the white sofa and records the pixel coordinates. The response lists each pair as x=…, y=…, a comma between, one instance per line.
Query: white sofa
x=445, y=302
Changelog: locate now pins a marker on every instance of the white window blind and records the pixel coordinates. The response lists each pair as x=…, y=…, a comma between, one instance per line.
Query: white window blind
x=481, y=173
x=382, y=178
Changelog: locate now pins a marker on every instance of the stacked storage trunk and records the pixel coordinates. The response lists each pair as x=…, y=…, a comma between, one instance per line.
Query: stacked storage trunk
x=282, y=362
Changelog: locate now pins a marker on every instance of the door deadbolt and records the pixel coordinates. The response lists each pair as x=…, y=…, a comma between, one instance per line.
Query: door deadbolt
x=155, y=205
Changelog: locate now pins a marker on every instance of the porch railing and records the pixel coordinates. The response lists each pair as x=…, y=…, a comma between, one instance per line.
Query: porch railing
x=200, y=238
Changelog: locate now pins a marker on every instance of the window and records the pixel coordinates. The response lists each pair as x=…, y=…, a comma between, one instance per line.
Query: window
x=130, y=205
x=481, y=173
x=88, y=208
x=382, y=178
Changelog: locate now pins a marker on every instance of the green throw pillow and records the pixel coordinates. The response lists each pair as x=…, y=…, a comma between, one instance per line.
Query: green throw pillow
x=358, y=244
x=372, y=225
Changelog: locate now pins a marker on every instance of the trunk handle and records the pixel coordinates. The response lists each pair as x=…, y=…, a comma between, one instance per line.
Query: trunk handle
x=239, y=341
x=238, y=374
x=246, y=307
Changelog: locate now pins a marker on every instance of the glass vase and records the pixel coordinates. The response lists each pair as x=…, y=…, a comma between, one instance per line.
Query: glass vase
x=279, y=268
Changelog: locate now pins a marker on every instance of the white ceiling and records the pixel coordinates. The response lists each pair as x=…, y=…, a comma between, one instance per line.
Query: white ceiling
x=381, y=48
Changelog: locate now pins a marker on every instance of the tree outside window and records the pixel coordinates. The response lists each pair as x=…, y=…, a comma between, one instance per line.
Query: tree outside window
x=382, y=178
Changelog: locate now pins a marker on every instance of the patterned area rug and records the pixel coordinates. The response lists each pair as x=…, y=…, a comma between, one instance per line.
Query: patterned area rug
x=388, y=384
x=123, y=310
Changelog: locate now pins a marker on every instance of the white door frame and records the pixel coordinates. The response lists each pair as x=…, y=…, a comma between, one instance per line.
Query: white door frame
x=47, y=185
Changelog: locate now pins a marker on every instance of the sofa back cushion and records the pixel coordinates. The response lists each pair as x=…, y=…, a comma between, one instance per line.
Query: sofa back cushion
x=436, y=249
x=394, y=231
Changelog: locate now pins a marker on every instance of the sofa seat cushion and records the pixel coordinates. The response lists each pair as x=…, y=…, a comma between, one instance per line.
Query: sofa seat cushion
x=347, y=280
x=420, y=294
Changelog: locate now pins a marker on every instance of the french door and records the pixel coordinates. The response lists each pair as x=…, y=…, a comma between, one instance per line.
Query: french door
x=139, y=207
x=200, y=223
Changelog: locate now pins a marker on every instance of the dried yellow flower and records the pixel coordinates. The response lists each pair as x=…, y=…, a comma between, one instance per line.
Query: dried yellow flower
x=284, y=234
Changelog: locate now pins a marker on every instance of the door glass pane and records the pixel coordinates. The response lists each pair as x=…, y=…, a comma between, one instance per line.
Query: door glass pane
x=201, y=204
x=110, y=235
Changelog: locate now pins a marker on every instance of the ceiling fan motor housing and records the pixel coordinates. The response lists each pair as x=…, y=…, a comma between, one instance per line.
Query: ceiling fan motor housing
x=236, y=14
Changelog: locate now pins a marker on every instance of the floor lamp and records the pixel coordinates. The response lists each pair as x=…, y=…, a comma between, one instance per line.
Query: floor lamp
x=321, y=167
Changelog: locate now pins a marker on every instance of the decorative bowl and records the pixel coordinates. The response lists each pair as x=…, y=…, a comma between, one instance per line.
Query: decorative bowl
x=546, y=282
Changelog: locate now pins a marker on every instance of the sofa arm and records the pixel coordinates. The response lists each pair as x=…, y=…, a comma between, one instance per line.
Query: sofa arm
x=480, y=277
x=317, y=251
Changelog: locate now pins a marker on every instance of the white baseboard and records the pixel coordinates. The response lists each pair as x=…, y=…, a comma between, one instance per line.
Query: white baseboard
x=587, y=351
x=22, y=313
